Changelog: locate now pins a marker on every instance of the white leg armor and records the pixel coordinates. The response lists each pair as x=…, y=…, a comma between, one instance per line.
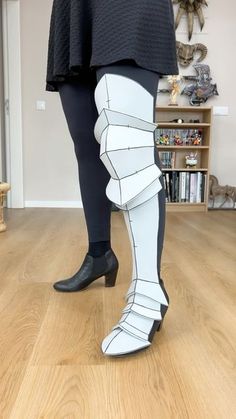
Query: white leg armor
x=125, y=132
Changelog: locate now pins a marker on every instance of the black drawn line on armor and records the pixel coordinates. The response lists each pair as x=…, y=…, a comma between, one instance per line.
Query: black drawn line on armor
x=132, y=295
x=107, y=152
x=125, y=126
x=144, y=280
x=140, y=330
x=109, y=159
x=112, y=339
x=136, y=280
x=126, y=205
x=132, y=174
x=131, y=304
x=149, y=199
x=131, y=116
x=108, y=98
x=136, y=265
x=145, y=297
x=129, y=148
x=136, y=336
x=141, y=305
x=120, y=191
x=106, y=118
x=158, y=210
x=126, y=322
x=139, y=192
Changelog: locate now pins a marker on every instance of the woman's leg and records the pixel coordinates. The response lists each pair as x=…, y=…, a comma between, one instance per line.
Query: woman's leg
x=149, y=80
x=77, y=98
x=125, y=97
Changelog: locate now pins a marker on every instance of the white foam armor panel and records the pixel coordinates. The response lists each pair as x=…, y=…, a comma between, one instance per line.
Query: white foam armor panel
x=122, y=191
x=109, y=117
x=120, y=93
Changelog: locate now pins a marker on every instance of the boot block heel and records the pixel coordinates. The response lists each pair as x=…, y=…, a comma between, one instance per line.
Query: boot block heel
x=163, y=313
x=159, y=326
x=110, y=278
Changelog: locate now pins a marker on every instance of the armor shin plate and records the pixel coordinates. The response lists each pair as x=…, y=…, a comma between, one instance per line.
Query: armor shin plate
x=125, y=132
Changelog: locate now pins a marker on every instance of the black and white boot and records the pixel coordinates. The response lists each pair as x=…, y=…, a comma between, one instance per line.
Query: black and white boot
x=125, y=132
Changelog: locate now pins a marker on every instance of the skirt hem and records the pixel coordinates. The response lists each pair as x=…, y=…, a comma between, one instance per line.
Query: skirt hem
x=77, y=71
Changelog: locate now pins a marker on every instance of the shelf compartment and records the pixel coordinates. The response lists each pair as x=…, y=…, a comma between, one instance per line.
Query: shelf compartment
x=194, y=147
x=166, y=124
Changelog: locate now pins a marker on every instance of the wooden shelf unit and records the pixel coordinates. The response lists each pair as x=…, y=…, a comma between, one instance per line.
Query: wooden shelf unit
x=204, y=113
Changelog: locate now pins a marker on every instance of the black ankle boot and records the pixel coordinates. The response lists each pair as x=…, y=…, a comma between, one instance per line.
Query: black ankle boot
x=91, y=269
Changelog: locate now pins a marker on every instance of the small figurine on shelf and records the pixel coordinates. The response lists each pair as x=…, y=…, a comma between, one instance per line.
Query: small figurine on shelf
x=191, y=160
x=196, y=137
x=175, y=88
x=178, y=140
x=164, y=139
x=196, y=140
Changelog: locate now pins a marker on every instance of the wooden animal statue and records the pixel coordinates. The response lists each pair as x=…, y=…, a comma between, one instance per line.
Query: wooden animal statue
x=227, y=191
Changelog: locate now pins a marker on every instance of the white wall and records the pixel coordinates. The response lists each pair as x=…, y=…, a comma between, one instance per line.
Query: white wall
x=50, y=167
x=2, y=142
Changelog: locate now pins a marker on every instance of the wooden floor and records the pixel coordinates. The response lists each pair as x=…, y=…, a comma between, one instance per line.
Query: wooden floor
x=51, y=365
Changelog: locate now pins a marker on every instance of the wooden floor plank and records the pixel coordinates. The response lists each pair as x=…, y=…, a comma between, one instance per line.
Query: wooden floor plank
x=52, y=366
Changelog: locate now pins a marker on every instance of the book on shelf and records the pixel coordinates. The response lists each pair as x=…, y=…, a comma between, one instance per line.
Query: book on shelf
x=167, y=159
x=182, y=186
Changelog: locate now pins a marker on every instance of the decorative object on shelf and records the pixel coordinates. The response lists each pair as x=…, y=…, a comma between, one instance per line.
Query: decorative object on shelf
x=178, y=120
x=190, y=7
x=4, y=188
x=164, y=139
x=225, y=194
x=179, y=137
x=191, y=160
x=177, y=140
x=174, y=81
x=195, y=137
x=185, y=53
x=202, y=88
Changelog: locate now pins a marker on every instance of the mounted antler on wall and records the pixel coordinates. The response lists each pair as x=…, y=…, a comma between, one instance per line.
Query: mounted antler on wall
x=185, y=53
x=190, y=7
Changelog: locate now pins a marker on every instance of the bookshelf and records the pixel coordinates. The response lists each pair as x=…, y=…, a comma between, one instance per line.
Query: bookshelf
x=181, y=193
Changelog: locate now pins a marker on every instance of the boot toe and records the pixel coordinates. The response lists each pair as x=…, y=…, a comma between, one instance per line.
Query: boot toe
x=61, y=286
x=118, y=342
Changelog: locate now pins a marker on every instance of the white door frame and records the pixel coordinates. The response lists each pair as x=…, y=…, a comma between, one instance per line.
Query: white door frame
x=13, y=106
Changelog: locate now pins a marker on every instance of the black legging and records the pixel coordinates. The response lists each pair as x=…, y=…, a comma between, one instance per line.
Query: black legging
x=77, y=97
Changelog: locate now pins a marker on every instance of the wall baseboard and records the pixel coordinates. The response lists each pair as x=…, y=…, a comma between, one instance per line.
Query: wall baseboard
x=53, y=204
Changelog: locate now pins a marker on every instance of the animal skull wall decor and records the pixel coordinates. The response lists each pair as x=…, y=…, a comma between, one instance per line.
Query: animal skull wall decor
x=190, y=7
x=185, y=53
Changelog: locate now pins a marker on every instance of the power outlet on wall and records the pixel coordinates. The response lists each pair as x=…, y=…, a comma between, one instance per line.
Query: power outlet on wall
x=40, y=105
x=220, y=110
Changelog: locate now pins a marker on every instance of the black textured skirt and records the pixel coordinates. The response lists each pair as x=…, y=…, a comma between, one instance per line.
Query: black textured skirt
x=85, y=34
